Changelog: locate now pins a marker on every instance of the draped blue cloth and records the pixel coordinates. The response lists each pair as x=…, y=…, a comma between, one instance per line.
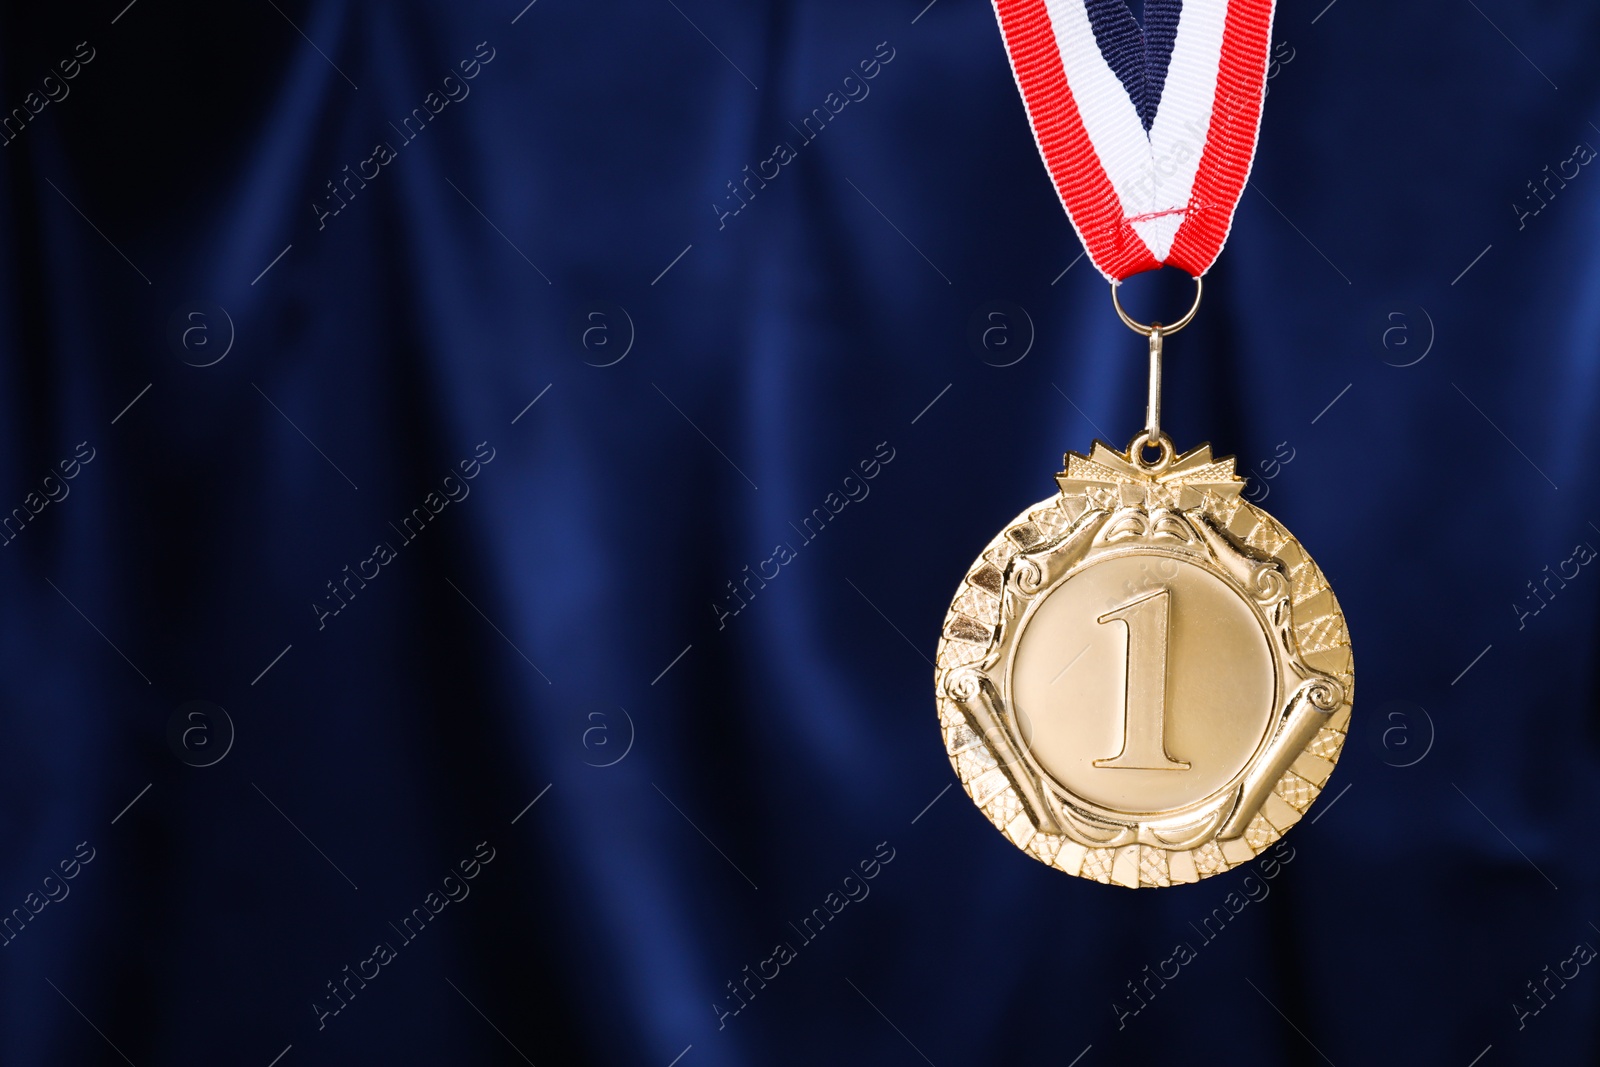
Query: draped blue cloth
x=736, y=257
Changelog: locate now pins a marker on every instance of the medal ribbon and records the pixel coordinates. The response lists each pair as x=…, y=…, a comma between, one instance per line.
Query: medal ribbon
x=1147, y=133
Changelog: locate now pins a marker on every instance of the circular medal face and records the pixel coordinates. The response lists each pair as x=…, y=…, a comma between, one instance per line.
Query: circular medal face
x=1144, y=679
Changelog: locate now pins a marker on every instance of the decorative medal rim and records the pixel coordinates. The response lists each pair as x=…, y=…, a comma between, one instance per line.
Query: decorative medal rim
x=1192, y=484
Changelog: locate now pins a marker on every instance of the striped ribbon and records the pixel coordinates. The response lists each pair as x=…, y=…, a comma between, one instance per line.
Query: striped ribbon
x=1148, y=133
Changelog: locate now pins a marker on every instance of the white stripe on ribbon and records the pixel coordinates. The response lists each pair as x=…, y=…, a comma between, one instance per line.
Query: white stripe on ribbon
x=1153, y=174
x=1178, y=134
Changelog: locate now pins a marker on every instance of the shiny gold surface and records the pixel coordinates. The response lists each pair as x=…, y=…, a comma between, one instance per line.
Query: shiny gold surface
x=1072, y=676
x=1144, y=679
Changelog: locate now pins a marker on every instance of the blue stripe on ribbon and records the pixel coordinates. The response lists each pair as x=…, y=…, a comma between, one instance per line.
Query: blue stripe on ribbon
x=1138, y=57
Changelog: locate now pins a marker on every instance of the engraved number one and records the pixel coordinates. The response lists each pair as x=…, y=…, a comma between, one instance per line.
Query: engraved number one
x=1145, y=700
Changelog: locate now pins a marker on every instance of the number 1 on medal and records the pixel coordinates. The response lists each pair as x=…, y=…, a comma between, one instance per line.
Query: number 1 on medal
x=1144, y=700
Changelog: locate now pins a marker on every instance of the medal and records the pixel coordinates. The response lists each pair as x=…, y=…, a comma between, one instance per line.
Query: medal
x=1144, y=679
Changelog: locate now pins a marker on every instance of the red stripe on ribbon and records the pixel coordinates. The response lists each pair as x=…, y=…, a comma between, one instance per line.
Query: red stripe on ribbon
x=1231, y=141
x=1069, y=155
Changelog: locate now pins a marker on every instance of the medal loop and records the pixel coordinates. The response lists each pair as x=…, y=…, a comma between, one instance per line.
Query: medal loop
x=1143, y=441
x=1152, y=412
x=1139, y=327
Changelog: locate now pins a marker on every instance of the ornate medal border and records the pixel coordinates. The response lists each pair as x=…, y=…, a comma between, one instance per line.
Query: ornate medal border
x=977, y=644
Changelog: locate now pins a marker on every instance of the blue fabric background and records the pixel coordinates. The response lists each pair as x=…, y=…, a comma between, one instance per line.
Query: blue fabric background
x=565, y=610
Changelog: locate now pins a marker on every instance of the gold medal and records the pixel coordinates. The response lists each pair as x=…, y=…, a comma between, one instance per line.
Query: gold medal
x=1144, y=679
